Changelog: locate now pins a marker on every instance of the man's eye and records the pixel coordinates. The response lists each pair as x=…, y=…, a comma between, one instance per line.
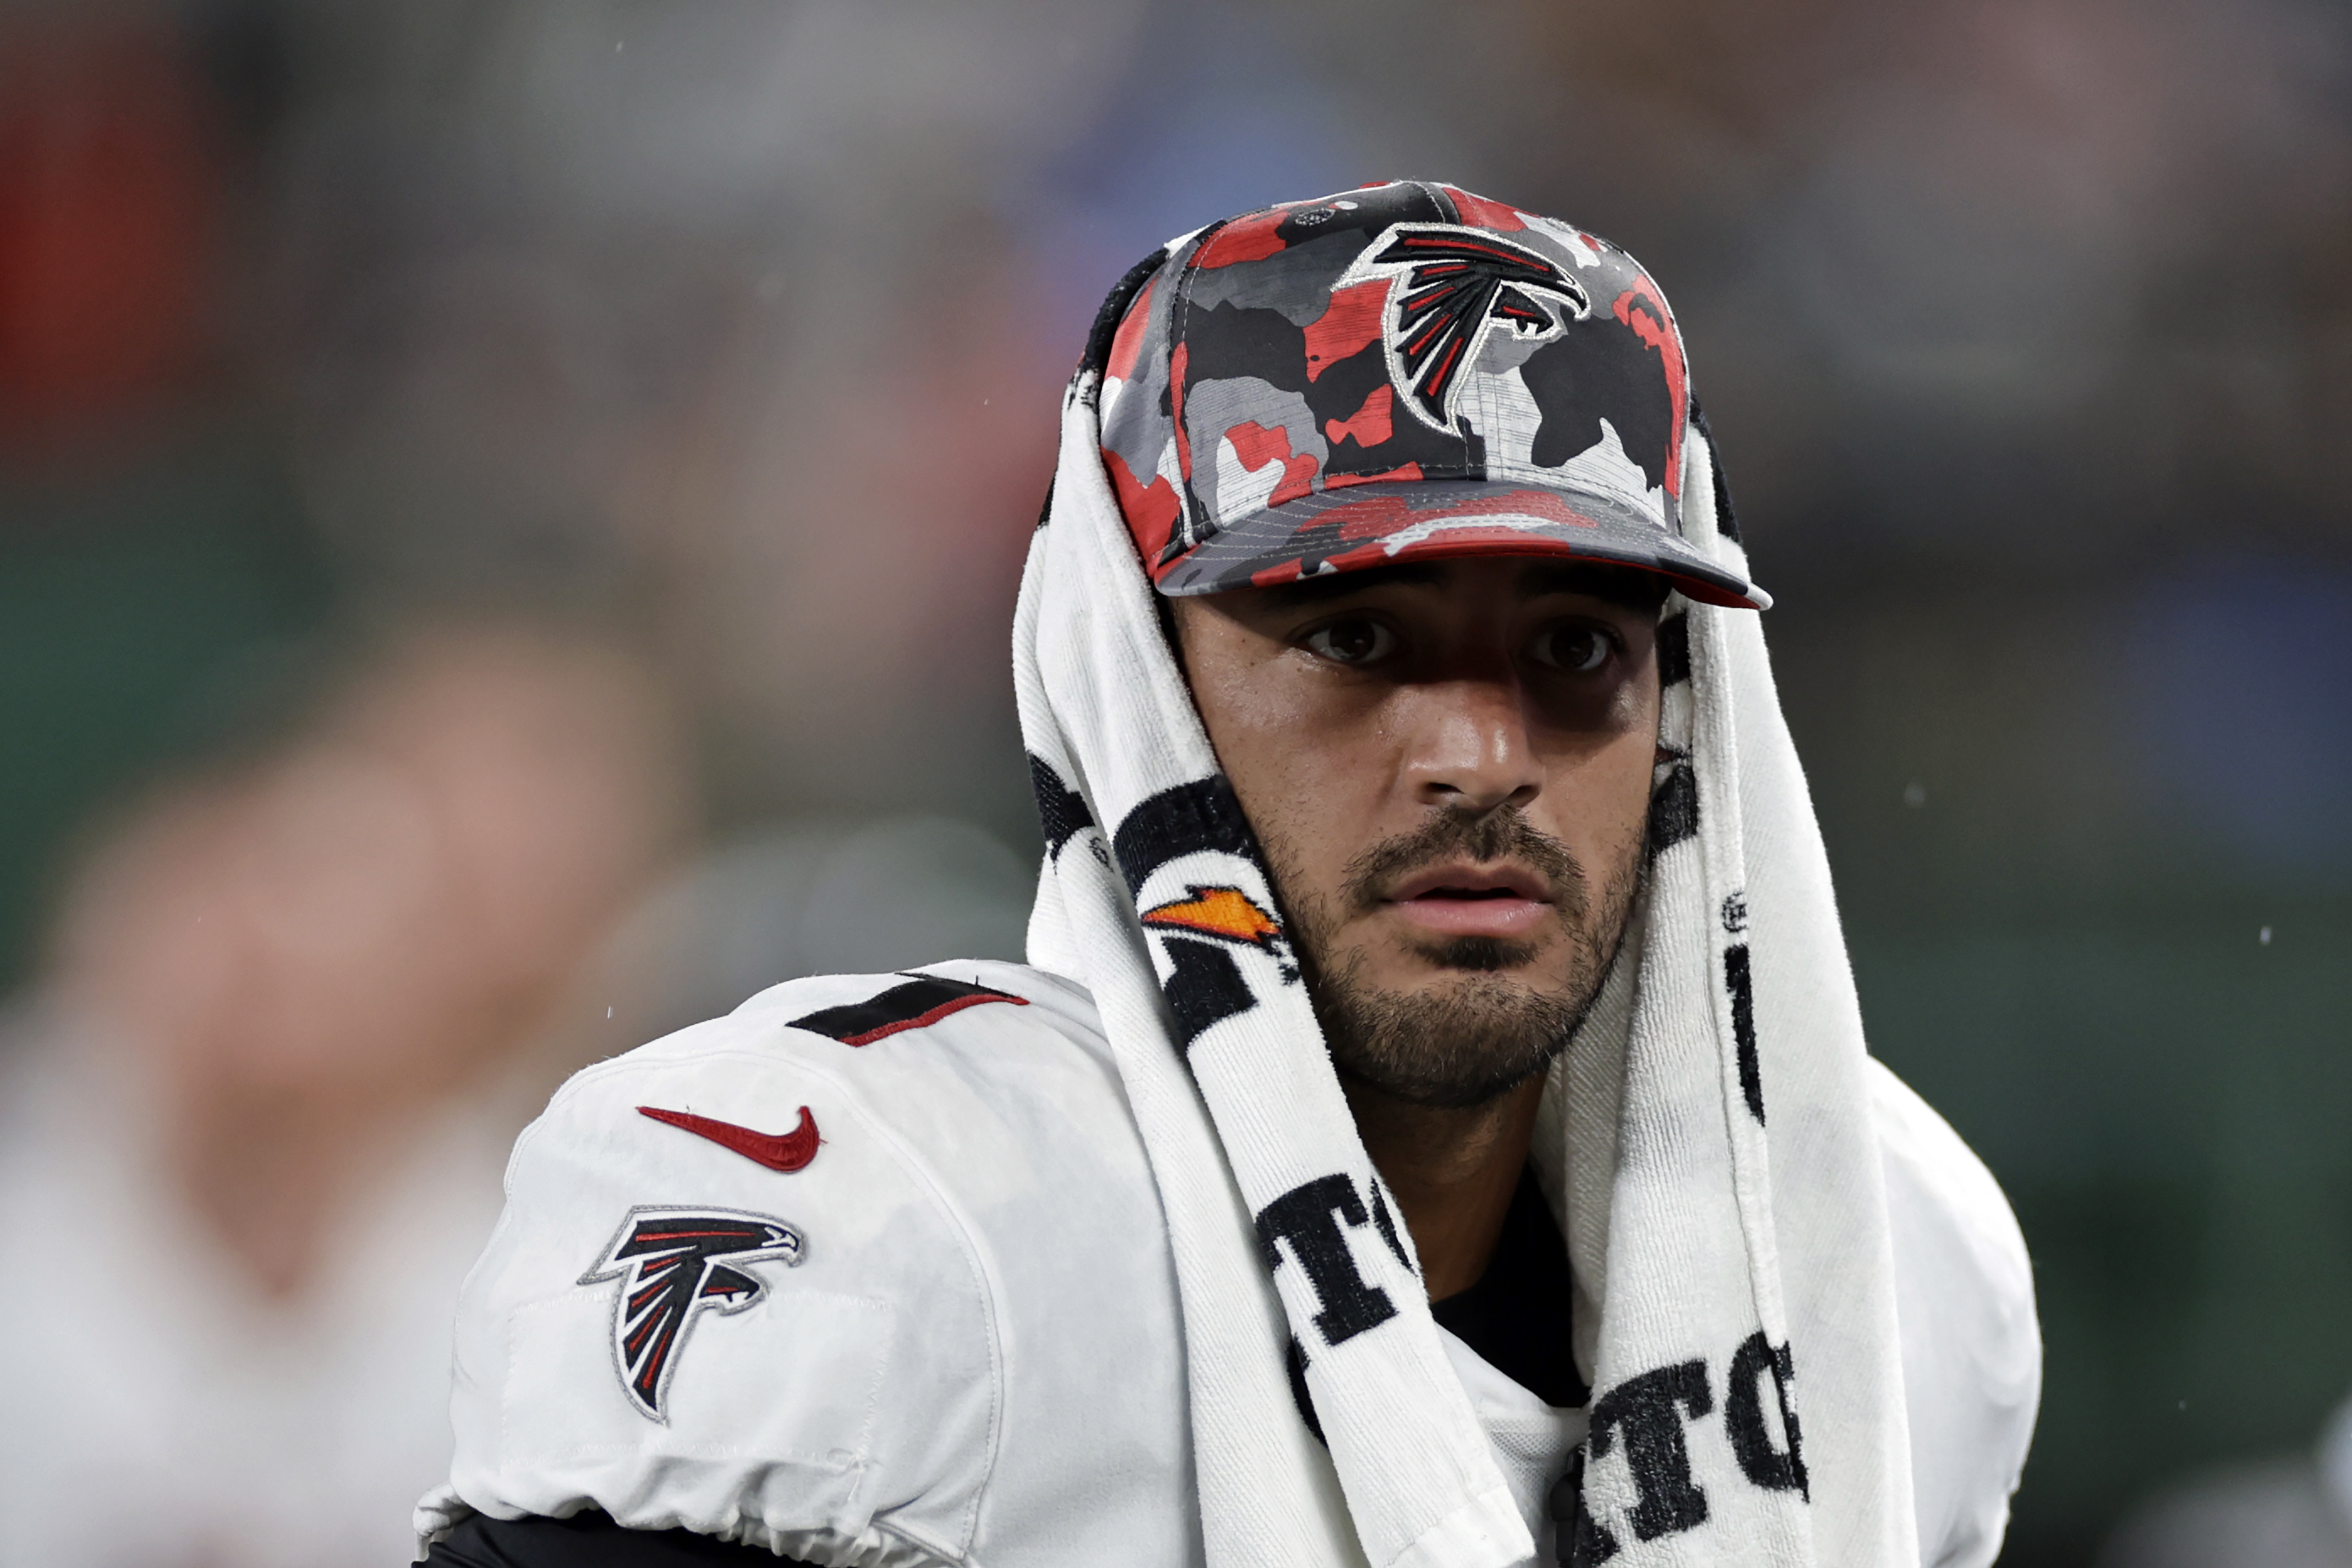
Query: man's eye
x=1352, y=642
x=1577, y=650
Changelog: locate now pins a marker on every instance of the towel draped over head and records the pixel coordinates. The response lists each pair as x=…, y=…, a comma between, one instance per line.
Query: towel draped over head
x=1705, y=1140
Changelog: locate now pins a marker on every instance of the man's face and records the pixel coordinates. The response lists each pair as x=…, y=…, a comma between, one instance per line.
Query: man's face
x=1449, y=766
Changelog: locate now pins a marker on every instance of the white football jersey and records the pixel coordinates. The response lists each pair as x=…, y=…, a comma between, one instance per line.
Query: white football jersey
x=873, y=1271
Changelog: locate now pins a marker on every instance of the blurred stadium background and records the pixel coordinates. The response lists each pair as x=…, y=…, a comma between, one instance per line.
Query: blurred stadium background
x=508, y=513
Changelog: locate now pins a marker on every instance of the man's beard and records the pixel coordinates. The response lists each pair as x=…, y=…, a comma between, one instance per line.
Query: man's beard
x=1465, y=1042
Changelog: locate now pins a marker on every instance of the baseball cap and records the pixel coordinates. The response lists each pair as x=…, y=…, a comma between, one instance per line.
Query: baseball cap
x=1405, y=371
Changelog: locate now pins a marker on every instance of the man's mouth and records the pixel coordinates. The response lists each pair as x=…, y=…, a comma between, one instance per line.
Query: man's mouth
x=1462, y=899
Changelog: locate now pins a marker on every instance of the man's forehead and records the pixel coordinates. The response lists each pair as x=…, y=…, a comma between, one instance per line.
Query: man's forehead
x=1529, y=577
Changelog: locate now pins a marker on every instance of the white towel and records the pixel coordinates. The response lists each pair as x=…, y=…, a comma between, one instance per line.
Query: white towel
x=1705, y=1138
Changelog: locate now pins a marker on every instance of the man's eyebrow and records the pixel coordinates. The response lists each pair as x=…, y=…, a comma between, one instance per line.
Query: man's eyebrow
x=1339, y=584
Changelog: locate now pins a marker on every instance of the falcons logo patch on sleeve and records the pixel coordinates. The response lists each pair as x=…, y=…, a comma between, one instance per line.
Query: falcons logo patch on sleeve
x=672, y=1265
x=1449, y=286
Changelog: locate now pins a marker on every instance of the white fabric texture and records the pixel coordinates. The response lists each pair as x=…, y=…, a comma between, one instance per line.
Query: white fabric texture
x=1733, y=1240
x=978, y=1361
x=1971, y=1348
x=972, y=1362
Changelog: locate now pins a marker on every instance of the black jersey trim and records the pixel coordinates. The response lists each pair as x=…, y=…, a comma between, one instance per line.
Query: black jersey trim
x=921, y=1002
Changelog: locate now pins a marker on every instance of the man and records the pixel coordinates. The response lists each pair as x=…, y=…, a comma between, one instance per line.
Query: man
x=1435, y=1127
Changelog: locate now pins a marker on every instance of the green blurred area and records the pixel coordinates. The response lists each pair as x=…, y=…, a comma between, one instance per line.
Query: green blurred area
x=2163, y=1097
x=144, y=618
x=2073, y=969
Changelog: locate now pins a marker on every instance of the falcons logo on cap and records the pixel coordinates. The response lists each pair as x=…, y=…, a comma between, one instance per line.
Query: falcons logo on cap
x=1449, y=288
x=668, y=1260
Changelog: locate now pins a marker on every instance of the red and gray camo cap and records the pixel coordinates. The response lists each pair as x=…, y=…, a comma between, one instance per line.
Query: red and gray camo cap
x=1403, y=372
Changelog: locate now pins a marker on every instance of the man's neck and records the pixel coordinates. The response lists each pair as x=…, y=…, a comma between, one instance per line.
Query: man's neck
x=1453, y=1171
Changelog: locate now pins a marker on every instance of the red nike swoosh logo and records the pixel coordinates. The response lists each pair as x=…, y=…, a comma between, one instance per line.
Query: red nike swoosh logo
x=786, y=1152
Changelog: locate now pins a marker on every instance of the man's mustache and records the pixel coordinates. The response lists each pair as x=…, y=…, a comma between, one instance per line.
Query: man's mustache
x=1486, y=837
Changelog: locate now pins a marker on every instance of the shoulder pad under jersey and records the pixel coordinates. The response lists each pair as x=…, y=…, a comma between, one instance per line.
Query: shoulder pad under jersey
x=846, y=1274
x=1971, y=1344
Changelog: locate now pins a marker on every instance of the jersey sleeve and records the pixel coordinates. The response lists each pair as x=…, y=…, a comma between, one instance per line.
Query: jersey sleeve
x=1971, y=1343
x=726, y=1297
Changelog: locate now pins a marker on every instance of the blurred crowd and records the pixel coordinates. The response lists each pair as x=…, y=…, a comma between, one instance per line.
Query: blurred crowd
x=252, y=1117
x=508, y=513
x=255, y=1112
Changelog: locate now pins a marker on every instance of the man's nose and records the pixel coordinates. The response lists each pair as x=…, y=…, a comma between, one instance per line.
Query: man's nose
x=1469, y=749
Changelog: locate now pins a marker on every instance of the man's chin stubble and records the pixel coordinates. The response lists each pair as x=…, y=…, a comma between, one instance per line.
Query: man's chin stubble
x=1462, y=1042
x=1478, y=1033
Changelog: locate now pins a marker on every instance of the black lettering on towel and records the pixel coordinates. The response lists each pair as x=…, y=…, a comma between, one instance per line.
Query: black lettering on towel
x=1726, y=517
x=1673, y=806
x=1742, y=989
x=1205, y=986
x=1579, y=1540
x=1308, y=1216
x=1386, y=1225
x=1061, y=810
x=1204, y=814
x=1775, y=1470
x=1113, y=310
x=1647, y=1410
x=1293, y=1360
x=1674, y=650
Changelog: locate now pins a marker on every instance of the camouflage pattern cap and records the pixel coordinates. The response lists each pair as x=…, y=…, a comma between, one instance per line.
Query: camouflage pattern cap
x=1404, y=371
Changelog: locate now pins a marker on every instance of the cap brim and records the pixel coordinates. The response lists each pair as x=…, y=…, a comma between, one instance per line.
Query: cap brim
x=1359, y=527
